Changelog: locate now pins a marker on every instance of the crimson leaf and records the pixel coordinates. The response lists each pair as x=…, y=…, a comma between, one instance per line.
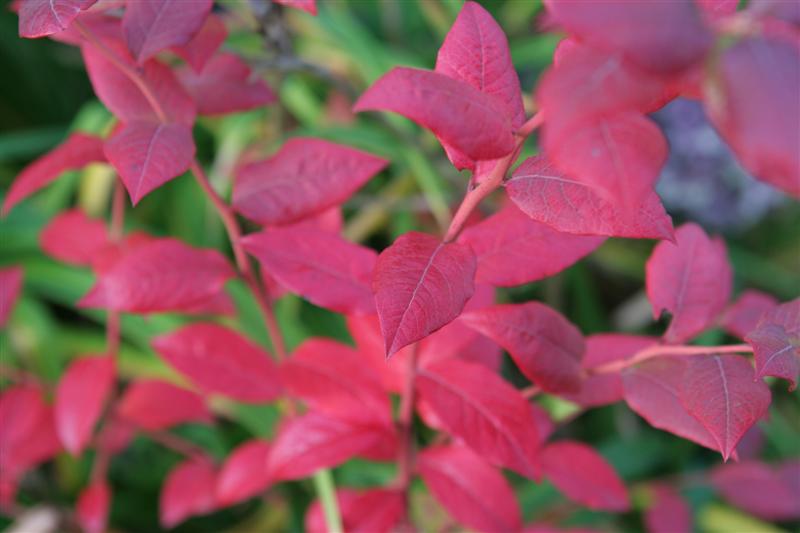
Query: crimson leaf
x=368, y=511
x=244, y=473
x=76, y=152
x=545, y=346
x=691, y=279
x=744, y=314
x=320, y=266
x=304, y=178
x=189, y=490
x=200, y=49
x=668, y=512
x=776, y=343
x=584, y=475
x=420, y=284
x=153, y=25
x=470, y=121
x=38, y=18
x=767, y=491
x=93, y=506
x=479, y=407
x=155, y=405
x=74, y=238
x=80, y=398
x=218, y=359
x=474, y=493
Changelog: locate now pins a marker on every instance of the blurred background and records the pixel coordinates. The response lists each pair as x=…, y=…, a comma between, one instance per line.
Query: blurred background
x=318, y=65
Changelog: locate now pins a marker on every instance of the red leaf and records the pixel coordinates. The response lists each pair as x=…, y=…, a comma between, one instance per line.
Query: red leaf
x=369, y=511
x=313, y=441
x=148, y=154
x=333, y=379
x=584, y=476
x=320, y=266
x=664, y=37
x=244, y=473
x=620, y=156
x=76, y=152
x=653, y=389
x=743, y=315
x=220, y=360
x=769, y=492
x=470, y=121
x=74, y=238
x=668, y=512
x=691, y=279
x=606, y=388
x=27, y=434
x=309, y=6
x=776, y=343
x=226, y=74
x=189, y=490
x=205, y=42
x=475, y=51
x=483, y=410
x=512, y=249
x=38, y=18
x=475, y=494
x=153, y=25
x=155, y=405
x=574, y=206
x=139, y=283
x=305, y=177
x=81, y=395
x=93, y=506
x=545, y=346
x=124, y=98
x=420, y=284
x=116, y=434
x=754, y=105
x=721, y=392
x=10, y=289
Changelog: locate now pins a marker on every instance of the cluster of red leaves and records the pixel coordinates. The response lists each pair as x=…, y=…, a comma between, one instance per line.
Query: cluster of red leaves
x=427, y=303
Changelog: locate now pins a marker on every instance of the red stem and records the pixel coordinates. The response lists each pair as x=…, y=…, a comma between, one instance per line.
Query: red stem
x=405, y=456
x=176, y=443
x=659, y=350
x=491, y=182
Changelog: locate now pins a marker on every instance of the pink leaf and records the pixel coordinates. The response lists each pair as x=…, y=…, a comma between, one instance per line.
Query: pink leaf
x=115, y=435
x=470, y=121
x=584, y=476
x=476, y=51
x=124, y=98
x=139, y=283
x=545, y=346
x=244, y=473
x=93, y=506
x=743, y=315
x=148, y=154
x=313, y=441
x=776, y=343
x=226, y=74
x=27, y=434
x=189, y=490
x=74, y=238
x=512, y=249
x=691, y=279
x=309, y=6
x=305, y=177
x=80, y=397
x=754, y=105
x=668, y=512
x=220, y=360
x=155, y=405
x=420, y=284
x=38, y=18
x=473, y=493
x=767, y=491
x=721, y=392
x=606, y=388
x=573, y=206
x=10, y=289
x=333, y=379
x=369, y=511
x=320, y=266
x=205, y=42
x=620, y=156
x=76, y=152
x=153, y=25
x=664, y=37
x=653, y=389
x=479, y=407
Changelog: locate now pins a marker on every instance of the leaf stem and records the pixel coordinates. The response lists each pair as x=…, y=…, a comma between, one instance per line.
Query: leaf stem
x=326, y=490
x=490, y=183
x=405, y=456
x=661, y=350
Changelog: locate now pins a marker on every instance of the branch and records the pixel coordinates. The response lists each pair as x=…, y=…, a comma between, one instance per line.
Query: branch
x=664, y=350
